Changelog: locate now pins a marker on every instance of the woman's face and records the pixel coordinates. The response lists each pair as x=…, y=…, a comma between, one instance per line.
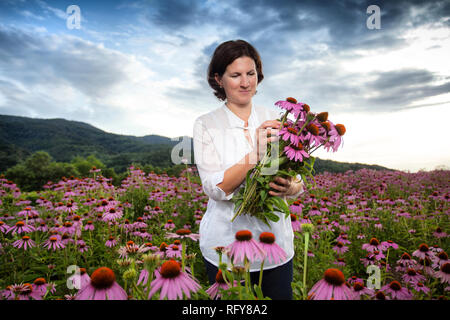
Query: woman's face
x=240, y=80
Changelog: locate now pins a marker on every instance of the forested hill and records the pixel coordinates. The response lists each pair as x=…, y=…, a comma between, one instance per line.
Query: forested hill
x=64, y=140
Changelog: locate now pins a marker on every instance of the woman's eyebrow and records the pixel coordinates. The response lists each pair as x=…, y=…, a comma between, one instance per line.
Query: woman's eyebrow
x=240, y=73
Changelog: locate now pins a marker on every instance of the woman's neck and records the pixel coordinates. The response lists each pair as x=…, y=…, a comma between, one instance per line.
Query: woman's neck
x=242, y=111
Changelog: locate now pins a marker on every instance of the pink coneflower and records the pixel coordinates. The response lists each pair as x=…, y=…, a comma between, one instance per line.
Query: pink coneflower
x=169, y=225
x=331, y=287
x=273, y=251
x=220, y=283
x=289, y=104
x=438, y=233
x=423, y=251
x=374, y=245
x=444, y=273
x=442, y=258
x=81, y=245
x=42, y=227
x=173, y=251
x=103, y=286
x=295, y=152
x=25, y=242
x=312, y=135
x=396, y=291
x=339, y=262
x=130, y=248
x=296, y=226
x=390, y=244
x=89, y=225
x=112, y=214
x=3, y=227
x=289, y=133
x=24, y=292
x=340, y=248
x=81, y=279
x=380, y=295
x=245, y=246
x=419, y=286
x=405, y=262
x=20, y=227
x=111, y=242
x=359, y=290
x=28, y=212
x=412, y=276
x=54, y=242
x=183, y=233
x=173, y=282
x=40, y=285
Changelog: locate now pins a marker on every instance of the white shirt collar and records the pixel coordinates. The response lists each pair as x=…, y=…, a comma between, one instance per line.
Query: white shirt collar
x=236, y=122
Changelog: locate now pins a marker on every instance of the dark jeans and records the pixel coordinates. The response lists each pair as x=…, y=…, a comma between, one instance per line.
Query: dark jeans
x=276, y=282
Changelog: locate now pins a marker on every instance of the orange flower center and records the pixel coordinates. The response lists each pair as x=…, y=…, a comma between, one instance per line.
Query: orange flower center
x=395, y=285
x=423, y=247
x=374, y=242
x=322, y=117
x=183, y=232
x=243, y=235
x=446, y=268
x=219, y=277
x=334, y=277
x=267, y=237
x=170, y=269
x=291, y=100
x=39, y=281
x=340, y=128
x=313, y=129
x=103, y=278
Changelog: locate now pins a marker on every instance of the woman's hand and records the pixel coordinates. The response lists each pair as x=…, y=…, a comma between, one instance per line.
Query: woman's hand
x=266, y=132
x=285, y=186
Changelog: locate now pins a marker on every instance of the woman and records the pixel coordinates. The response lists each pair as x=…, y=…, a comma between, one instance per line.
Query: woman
x=228, y=142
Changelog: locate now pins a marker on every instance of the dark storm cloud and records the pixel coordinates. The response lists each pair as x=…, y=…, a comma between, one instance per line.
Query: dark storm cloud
x=397, y=89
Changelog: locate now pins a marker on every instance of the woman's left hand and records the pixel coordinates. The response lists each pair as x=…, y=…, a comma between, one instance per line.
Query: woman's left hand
x=284, y=187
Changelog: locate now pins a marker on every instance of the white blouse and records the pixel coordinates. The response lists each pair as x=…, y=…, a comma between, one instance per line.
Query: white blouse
x=219, y=143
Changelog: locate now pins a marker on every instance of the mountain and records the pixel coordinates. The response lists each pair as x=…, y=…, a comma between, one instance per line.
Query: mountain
x=64, y=139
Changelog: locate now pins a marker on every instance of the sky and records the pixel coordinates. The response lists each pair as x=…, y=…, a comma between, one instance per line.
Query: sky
x=139, y=67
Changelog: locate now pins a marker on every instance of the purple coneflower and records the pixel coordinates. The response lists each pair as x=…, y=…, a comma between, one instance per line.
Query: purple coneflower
x=173, y=251
x=444, y=273
x=103, y=286
x=111, y=242
x=443, y=258
x=20, y=227
x=220, y=283
x=374, y=245
x=54, y=242
x=412, y=276
x=396, y=291
x=296, y=226
x=340, y=248
x=245, y=246
x=296, y=152
x=169, y=225
x=359, y=290
x=331, y=287
x=112, y=214
x=25, y=242
x=40, y=285
x=289, y=133
x=81, y=279
x=173, y=282
x=438, y=233
x=89, y=225
x=82, y=247
x=419, y=286
x=183, y=233
x=24, y=292
x=423, y=251
x=273, y=251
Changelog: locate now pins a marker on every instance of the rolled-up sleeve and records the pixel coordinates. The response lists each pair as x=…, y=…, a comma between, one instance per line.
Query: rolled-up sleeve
x=208, y=162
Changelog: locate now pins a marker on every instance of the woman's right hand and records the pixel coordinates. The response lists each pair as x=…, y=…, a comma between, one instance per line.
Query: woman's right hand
x=266, y=132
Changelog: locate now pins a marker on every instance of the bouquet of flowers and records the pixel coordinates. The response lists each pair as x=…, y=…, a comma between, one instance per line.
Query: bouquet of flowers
x=289, y=156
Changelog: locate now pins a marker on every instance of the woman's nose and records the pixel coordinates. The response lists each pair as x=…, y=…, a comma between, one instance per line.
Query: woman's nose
x=245, y=82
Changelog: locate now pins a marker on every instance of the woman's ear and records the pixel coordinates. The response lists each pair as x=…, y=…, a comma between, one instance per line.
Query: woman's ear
x=218, y=79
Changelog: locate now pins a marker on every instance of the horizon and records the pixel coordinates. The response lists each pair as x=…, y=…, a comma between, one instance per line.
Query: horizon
x=139, y=68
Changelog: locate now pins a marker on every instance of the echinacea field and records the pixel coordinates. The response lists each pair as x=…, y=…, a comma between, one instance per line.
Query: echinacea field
x=364, y=235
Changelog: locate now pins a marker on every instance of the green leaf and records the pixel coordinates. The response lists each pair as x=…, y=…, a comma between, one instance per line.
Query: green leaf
x=271, y=216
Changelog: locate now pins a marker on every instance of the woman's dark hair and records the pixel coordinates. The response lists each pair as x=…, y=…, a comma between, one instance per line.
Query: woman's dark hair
x=224, y=55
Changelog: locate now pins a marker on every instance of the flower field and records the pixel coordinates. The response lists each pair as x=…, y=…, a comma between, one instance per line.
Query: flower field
x=360, y=235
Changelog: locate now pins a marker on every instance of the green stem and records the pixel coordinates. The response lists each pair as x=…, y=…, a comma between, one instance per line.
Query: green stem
x=261, y=274
x=305, y=264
